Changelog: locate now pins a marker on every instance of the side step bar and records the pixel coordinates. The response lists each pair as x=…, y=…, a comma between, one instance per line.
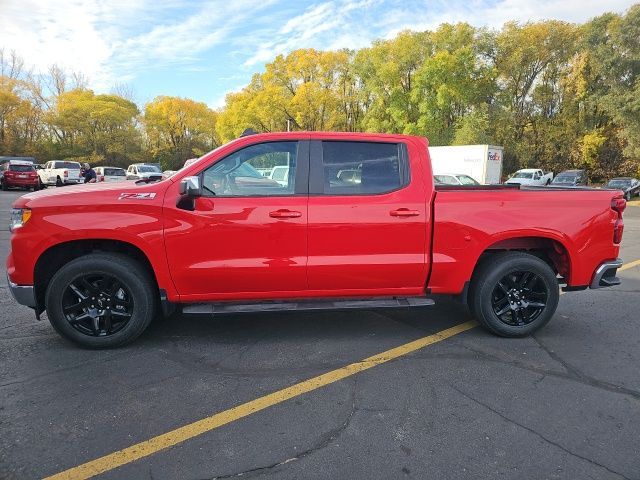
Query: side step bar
x=304, y=305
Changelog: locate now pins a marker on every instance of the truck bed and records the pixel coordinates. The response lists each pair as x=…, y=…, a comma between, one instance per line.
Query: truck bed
x=574, y=225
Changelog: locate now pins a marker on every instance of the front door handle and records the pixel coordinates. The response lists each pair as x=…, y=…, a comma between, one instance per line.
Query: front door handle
x=404, y=212
x=285, y=214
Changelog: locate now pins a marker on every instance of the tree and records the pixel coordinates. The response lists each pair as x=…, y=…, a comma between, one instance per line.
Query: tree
x=178, y=129
x=99, y=127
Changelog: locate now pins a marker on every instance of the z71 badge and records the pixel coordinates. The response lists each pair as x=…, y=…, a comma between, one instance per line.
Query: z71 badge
x=137, y=196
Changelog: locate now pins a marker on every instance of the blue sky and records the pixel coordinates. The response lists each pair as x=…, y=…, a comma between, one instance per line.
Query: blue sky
x=206, y=49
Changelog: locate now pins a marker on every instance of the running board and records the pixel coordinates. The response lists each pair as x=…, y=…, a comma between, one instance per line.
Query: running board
x=303, y=305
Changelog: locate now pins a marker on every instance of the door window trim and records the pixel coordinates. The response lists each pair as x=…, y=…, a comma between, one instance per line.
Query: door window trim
x=301, y=183
x=316, y=169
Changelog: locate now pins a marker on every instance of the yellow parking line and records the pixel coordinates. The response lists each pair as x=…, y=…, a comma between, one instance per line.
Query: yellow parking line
x=629, y=265
x=181, y=434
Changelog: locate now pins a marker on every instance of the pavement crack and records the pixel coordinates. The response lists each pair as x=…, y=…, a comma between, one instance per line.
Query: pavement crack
x=322, y=443
x=572, y=374
x=566, y=365
x=537, y=434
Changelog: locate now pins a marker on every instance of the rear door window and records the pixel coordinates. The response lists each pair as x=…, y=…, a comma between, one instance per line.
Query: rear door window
x=361, y=168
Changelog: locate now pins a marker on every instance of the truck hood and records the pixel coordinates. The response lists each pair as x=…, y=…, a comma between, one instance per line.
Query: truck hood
x=89, y=194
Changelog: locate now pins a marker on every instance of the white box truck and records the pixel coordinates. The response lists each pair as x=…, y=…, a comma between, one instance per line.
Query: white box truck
x=481, y=162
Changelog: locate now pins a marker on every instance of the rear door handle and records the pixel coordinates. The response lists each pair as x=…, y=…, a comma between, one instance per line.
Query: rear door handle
x=404, y=212
x=285, y=214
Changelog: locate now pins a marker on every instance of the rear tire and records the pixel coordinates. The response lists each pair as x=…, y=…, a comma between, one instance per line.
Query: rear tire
x=513, y=294
x=121, y=290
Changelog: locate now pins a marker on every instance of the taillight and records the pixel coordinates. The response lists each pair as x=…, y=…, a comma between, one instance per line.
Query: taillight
x=66, y=173
x=101, y=178
x=618, y=205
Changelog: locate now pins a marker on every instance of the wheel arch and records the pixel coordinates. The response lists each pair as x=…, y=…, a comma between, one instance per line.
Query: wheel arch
x=551, y=249
x=56, y=256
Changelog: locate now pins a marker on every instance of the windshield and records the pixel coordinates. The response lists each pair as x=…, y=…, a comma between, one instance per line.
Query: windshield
x=446, y=179
x=279, y=173
x=149, y=169
x=467, y=180
x=564, y=179
x=523, y=175
x=619, y=183
x=246, y=170
x=21, y=168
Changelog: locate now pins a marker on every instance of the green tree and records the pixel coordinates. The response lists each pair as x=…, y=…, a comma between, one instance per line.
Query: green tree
x=178, y=129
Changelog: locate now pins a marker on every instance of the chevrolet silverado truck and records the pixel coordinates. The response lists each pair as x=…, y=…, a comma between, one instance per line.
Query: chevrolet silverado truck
x=530, y=176
x=217, y=237
x=60, y=172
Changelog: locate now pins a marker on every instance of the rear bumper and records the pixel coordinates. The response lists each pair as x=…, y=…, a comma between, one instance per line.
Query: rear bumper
x=605, y=274
x=23, y=294
x=21, y=182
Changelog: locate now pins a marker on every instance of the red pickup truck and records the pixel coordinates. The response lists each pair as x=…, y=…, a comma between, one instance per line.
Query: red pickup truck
x=356, y=222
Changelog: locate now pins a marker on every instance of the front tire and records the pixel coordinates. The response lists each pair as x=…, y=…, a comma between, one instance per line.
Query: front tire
x=101, y=300
x=513, y=294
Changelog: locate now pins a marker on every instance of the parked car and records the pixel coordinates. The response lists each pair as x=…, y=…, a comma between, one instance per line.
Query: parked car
x=60, y=172
x=530, y=176
x=110, y=174
x=19, y=174
x=630, y=186
x=455, y=179
x=280, y=173
x=350, y=175
x=138, y=171
x=571, y=178
x=222, y=238
x=189, y=161
x=5, y=159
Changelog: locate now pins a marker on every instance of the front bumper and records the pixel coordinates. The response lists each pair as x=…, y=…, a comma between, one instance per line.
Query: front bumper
x=23, y=294
x=605, y=274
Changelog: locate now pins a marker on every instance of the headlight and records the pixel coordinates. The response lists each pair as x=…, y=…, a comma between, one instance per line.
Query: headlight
x=19, y=216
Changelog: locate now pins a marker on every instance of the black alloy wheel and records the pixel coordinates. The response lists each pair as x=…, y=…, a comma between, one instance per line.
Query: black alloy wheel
x=519, y=298
x=513, y=294
x=101, y=299
x=97, y=305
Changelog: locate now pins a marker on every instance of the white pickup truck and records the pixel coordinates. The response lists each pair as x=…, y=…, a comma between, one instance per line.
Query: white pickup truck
x=530, y=176
x=60, y=172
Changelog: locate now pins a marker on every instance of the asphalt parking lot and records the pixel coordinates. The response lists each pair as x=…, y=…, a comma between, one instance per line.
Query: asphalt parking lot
x=563, y=404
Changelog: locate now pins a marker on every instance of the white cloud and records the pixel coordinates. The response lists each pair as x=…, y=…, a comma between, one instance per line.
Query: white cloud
x=327, y=25
x=107, y=41
x=353, y=24
x=117, y=41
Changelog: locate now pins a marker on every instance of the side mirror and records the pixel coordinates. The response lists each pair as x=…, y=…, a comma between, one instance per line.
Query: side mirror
x=190, y=187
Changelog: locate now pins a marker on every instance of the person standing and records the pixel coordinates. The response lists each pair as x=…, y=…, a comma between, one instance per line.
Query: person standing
x=89, y=174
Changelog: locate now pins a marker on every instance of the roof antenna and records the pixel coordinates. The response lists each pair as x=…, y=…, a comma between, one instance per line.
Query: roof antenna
x=247, y=132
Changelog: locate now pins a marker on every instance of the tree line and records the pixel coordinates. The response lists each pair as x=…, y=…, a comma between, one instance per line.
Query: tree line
x=556, y=95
